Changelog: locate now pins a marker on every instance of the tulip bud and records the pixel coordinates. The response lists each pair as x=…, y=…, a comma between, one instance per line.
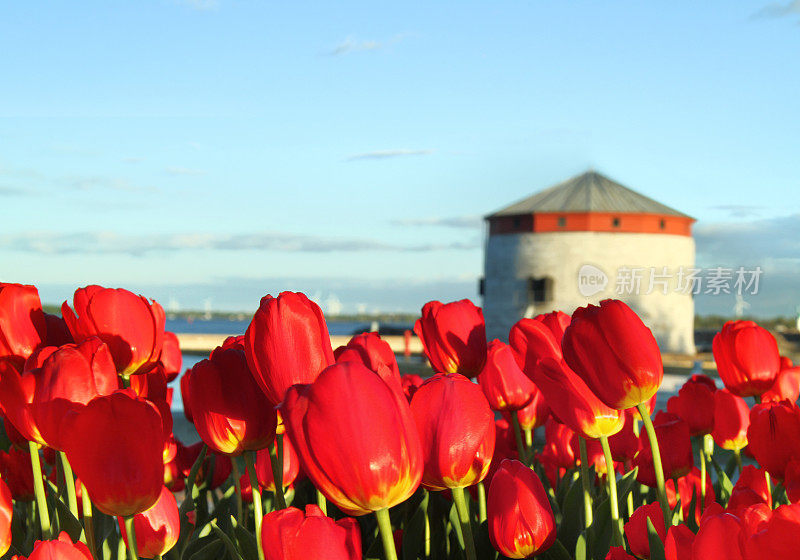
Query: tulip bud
x=532, y=340
x=291, y=467
x=287, y=343
x=453, y=336
x=157, y=528
x=61, y=549
x=502, y=381
x=355, y=437
x=375, y=353
x=774, y=435
x=636, y=531
x=131, y=325
x=289, y=534
x=777, y=537
x=456, y=428
x=532, y=415
x=751, y=488
x=747, y=358
x=127, y=477
x=731, y=419
x=519, y=515
x=171, y=357
x=695, y=404
x=229, y=410
x=675, y=447
x=573, y=402
x=613, y=351
x=678, y=545
x=22, y=322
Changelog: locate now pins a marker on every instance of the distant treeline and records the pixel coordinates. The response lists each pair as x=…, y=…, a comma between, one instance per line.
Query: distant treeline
x=716, y=322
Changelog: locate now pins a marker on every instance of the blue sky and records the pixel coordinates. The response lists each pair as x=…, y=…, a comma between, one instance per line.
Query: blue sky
x=196, y=150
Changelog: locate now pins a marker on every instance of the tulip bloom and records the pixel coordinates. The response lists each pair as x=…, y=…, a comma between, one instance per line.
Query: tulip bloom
x=171, y=357
x=751, y=488
x=16, y=471
x=689, y=488
x=356, y=438
x=22, y=322
x=291, y=467
x=410, y=383
x=502, y=381
x=61, y=549
x=127, y=477
x=290, y=534
x=731, y=419
x=534, y=414
x=6, y=512
x=287, y=343
x=695, y=404
x=718, y=538
x=456, y=428
x=453, y=336
x=573, y=402
x=614, y=353
x=375, y=353
x=678, y=545
x=230, y=412
x=774, y=435
x=560, y=446
x=132, y=326
x=675, y=447
x=636, y=528
x=777, y=537
x=532, y=340
x=625, y=443
x=69, y=378
x=747, y=358
x=156, y=529
x=519, y=515
x=787, y=383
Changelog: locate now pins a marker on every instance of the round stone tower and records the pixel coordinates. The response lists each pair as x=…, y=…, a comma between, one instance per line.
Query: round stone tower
x=585, y=240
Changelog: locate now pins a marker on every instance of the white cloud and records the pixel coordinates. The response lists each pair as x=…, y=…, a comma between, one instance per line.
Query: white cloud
x=466, y=222
x=386, y=154
x=778, y=9
x=352, y=45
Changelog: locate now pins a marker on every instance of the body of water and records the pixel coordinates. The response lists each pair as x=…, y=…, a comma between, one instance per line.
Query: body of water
x=236, y=326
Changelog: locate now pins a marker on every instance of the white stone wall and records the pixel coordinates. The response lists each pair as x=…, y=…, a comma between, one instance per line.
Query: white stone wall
x=511, y=259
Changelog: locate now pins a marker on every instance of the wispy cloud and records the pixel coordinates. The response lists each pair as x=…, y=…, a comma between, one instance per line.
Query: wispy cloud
x=104, y=183
x=112, y=243
x=778, y=10
x=175, y=170
x=739, y=210
x=386, y=154
x=15, y=191
x=771, y=240
x=466, y=222
x=353, y=45
x=200, y=5
x=132, y=160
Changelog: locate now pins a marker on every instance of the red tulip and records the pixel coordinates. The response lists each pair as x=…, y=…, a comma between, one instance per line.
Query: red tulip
x=675, y=447
x=573, y=402
x=16, y=394
x=291, y=467
x=636, y=531
x=218, y=465
x=22, y=321
x=560, y=445
x=69, y=378
x=132, y=326
x=57, y=331
x=678, y=545
x=61, y=549
x=505, y=447
x=718, y=538
x=787, y=383
x=534, y=414
x=410, y=383
x=689, y=488
x=287, y=343
x=774, y=435
x=695, y=404
x=625, y=443
x=16, y=471
x=502, y=381
x=618, y=553
x=777, y=537
x=615, y=354
x=751, y=488
x=356, y=438
x=556, y=321
x=171, y=357
x=156, y=529
x=519, y=515
x=127, y=477
x=747, y=358
x=532, y=340
x=229, y=411
x=375, y=353
x=6, y=512
x=731, y=419
x=453, y=336
x=290, y=534
x=456, y=428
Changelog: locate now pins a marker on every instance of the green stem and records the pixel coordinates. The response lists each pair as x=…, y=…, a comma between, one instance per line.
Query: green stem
x=481, y=502
x=277, y=472
x=702, y=478
x=250, y=463
x=38, y=490
x=322, y=502
x=611, y=475
x=69, y=482
x=528, y=438
x=385, y=526
x=738, y=455
x=587, y=496
x=657, y=466
x=131, y=533
x=523, y=456
x=88, y=519
x=279, y=456
x=426, y=503
x=769, y=489
x=236, y=476
x=463, y=517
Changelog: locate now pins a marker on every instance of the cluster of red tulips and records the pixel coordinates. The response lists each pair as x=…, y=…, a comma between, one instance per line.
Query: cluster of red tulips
x=300, y=442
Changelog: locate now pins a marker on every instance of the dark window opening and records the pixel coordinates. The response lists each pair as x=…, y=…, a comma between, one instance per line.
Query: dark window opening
x=562, y=221
x=482, y=286
x=662, y=224
x=615, y=222
x=516, y=223
x=540, y=290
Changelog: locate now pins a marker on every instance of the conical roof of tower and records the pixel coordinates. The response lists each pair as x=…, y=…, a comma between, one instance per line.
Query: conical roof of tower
x=589, y=192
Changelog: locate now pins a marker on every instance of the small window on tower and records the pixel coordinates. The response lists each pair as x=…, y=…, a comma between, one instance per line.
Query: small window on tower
x=615, y=222
x=562, y=221
x=540, y=290
x=662, y=224
x=516, y=223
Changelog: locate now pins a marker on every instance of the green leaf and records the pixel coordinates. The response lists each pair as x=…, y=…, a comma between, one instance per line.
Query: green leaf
x=67, y=522
x=456, y=523
x=723, y=487
x=483, y=544
x=414, y=534
x=656, y=546
x=227, y=541
x=247, y=542
x=214, y=550
x=580, y=547
x=571, y=524
x=556, y=552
